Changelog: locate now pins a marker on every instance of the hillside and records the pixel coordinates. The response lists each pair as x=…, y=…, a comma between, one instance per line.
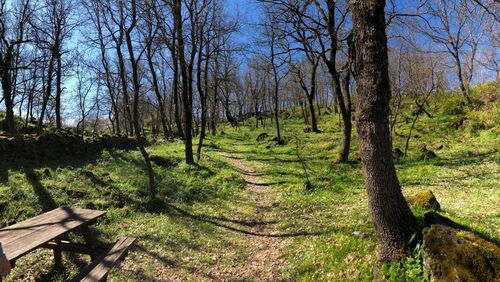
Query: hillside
x=211, y=219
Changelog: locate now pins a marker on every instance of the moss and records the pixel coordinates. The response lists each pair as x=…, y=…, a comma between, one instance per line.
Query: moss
x=424, y=199
x=453, y=255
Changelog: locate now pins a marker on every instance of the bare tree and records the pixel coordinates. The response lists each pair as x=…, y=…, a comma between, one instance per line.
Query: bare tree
x=95, y=15
x=116, y=15
x=457, y=27
x=134, y=62
x=12, y=35
x=53, y=27
x=275, y=42
x=336, y=15
x=84, y=85
x=187, y=97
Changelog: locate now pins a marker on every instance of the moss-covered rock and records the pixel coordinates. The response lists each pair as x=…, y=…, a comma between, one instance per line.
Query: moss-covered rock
x=426, y=153
x=454, y=255
x=162, y=161
x=424, y=199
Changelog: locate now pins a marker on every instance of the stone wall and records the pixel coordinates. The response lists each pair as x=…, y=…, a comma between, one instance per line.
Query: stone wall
x=51, y=146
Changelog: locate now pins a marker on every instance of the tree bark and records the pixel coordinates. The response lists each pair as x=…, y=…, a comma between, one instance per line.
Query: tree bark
x=58, y=90
x=123, y=78
x=5, y=64
x=48, y=89
x=203, y=92
x=346, y=117
x=463, y=88
x=393, y=219
x=159, y=98
x=187, y=102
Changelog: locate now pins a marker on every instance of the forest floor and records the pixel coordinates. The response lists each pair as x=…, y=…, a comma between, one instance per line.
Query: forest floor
x=244, y=211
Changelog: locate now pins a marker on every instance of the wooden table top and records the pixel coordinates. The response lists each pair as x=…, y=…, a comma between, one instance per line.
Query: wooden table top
x=26, y=236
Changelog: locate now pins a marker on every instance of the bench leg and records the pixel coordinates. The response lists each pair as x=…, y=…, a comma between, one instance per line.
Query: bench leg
x=89, y=239
x=58, y=257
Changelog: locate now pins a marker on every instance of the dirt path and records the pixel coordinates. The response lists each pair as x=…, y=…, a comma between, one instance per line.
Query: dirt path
x=264, y=261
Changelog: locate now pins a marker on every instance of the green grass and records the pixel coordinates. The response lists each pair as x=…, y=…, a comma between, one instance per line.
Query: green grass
x=464, y=178
x=116, y=182
x=183, y=238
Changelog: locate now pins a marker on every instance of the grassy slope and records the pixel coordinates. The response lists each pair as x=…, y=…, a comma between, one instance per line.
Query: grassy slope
x=465, y=179
x=172, y=244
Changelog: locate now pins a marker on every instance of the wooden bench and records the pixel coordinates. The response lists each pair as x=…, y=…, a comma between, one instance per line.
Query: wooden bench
x=99, y=268
x=24, y=237
x=49, y=230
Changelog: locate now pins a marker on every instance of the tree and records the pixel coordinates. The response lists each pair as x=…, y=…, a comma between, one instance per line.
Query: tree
x=457, y=27
x=329, y=55
x=117, y=16
x=53, y=27
x=152, y=25
x=393, y=219
x=187, y=97
x=95, y=15
x=11, y=37
x=83, y=87
x=206, y=34
x=134, y=62
x=274, y=41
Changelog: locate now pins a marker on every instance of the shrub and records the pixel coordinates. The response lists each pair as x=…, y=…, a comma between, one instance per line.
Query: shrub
x=409, y=269
x=452, y=105
x=487, y=94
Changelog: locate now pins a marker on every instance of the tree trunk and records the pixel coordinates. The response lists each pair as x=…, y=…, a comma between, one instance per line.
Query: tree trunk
x=159, y=98
x=214, y=114
x=175, y=87
x=314, y=123
x=5, y=64
x=58, y=90
x=311, y=95
x=393, y=219
x=203, y=93
x=346, y=117
x=136, y=84
x=276, y=109
x=463, y=88
x=48, y=91
x=187, y=102
x=123, y=79
x=105, y=64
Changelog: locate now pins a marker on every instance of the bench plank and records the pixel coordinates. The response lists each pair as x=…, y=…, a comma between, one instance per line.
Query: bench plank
x=26, y=236
x=98, y=270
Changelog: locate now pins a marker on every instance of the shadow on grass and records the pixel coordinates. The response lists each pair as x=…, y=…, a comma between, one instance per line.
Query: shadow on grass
x=45, y=200
x=265, y=184
x=457, y=160
x=432, y=217
x=215, y=221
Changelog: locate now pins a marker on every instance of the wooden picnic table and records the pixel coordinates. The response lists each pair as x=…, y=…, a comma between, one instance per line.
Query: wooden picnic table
x=49, y=230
